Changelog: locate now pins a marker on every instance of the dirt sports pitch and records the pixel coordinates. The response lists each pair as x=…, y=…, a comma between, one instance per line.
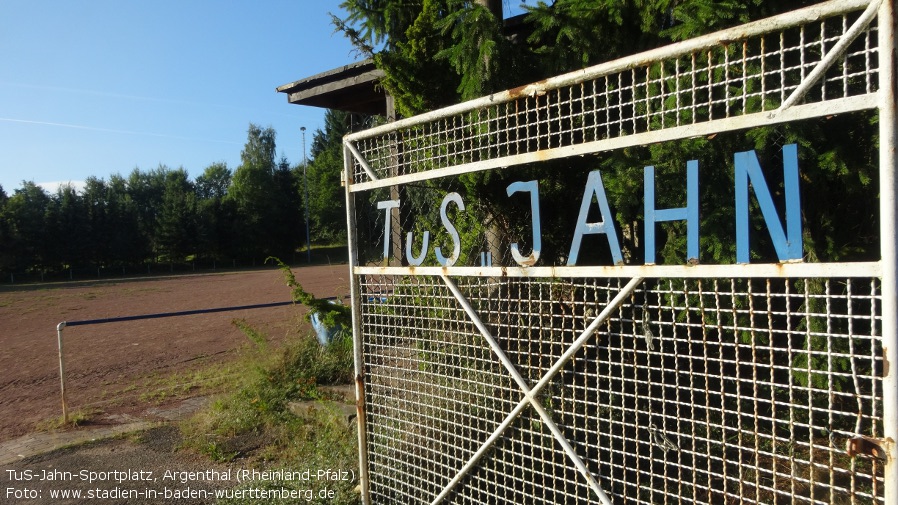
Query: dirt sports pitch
x=104, y=362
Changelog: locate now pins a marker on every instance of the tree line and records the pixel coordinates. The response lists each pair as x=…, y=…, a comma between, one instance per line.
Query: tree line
x=162, y=216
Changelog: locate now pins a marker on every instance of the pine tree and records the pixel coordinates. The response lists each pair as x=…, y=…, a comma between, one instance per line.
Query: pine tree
x=327, y=204
x=176, y=225
x=25, y=216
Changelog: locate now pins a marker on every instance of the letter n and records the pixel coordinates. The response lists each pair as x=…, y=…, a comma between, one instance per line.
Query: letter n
x=787, y=243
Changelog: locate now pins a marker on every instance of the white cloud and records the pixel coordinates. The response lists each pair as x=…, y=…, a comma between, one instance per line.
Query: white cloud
x=52, y=187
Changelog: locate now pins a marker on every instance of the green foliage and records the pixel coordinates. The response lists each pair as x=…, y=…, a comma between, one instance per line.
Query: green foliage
x=24, y=217
x=259, y=152
x=147, y=190
x=417, y=54
x=7, y=252
x=438, y=52
x=265, y=196
x=66, y=224
x=327, y=202
x=476, y=36
x=269, y=383
x=176, y=225
x=214, y=182
x=569, y=34
x=332, y=315
x=161, y=215
x=216, y=215
x=696, y=17
x=253, y=423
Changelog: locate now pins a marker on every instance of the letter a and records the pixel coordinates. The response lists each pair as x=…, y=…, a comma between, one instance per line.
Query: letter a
x=594, y=187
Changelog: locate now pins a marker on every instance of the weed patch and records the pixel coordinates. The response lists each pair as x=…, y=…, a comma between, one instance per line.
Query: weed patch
x=77, y=418
x=254, y=424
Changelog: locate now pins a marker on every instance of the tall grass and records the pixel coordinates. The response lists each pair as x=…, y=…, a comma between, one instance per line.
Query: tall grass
x=252, y=426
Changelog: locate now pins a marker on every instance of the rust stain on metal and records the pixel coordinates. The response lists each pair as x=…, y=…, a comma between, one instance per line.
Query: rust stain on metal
x=529, y=261
x=894, y=81
x=529, y=90
x=517, y=92
x=866, y=446
x=360, y=396
x=885, y=361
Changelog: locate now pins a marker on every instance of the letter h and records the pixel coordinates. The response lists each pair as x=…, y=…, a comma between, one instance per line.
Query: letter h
x=689, y=213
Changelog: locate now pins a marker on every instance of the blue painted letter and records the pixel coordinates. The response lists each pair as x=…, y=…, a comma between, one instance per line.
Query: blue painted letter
x=689, y=213
x=387, y=205
x=533, y=188
x=594, y=187
x=787, y=244
x=450, y=228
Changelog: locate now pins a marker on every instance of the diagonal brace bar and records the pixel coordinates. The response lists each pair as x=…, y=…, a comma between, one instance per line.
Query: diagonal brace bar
x=837, y=51
x=586, y=334
x=528, y=397
x=530, y=394
x=361, y=159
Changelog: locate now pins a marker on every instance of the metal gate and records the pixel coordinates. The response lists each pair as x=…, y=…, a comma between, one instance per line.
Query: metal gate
x=499, y=361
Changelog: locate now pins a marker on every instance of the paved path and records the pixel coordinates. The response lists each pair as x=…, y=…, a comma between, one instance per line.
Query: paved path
x=34, y=444
x=40, y=443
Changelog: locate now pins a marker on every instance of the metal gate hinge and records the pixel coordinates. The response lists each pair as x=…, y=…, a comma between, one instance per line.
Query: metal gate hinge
x=869, y=447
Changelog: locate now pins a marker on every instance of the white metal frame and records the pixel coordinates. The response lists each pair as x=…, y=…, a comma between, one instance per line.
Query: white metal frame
x=803, y=92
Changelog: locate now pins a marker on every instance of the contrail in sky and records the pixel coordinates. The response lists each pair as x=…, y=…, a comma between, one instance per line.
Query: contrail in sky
x=110, y=130
x=143, y=98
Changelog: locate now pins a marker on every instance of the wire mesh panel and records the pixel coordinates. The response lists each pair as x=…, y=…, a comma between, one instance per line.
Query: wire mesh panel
x=493, y=368
x=741, y=73
x=701, y=391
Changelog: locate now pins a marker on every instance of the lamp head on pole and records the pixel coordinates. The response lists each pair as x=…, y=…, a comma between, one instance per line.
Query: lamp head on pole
x=303, y=130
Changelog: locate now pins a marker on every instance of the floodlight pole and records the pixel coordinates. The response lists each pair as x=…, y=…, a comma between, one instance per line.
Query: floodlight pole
x=305, y=183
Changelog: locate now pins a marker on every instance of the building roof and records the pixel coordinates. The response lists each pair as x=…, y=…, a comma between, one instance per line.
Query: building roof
x=351, y=88
x=356, y=87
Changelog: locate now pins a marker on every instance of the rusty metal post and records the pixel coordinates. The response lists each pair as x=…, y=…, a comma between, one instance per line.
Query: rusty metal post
x=357, y=343
x=65, y=409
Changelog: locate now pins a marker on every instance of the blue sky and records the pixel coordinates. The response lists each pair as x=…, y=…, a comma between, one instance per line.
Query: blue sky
x=99, y=87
